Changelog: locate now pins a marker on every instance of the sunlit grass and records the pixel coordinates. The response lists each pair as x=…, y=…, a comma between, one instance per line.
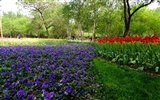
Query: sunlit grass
x=32, y=41
x=120, y=83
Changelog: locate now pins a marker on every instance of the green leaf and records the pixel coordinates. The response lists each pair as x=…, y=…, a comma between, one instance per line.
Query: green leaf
x=4, y=68
x=132, y=62
x=114, y=60
x=156, y=69
x=140, y=68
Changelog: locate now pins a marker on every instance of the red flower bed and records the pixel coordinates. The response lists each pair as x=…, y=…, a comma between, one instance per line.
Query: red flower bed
x=146, y=39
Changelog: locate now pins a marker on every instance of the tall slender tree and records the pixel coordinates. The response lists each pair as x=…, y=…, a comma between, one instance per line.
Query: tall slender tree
x=68, y=16
x=110, y=6
x=78, y=7
x=95, y=8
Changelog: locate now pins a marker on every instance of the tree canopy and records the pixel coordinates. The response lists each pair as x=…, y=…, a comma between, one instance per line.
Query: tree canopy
x=82, y=19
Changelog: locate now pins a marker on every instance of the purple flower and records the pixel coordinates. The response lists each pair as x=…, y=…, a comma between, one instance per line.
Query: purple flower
x=97, y=85
x=6, y=94
x=29, y=83
x=52, y=67
x=65, y=92
x=82, y=91
x=38, y=83
x=75, y=91
x=52, y=76
x=68, y=88
x=63, y=68
x=77, y=82
x=14, y=91
x=13, y=84
x=62, y=81
x=45, y=85
x=21, y=93
x=52, y=94
x=30, y=97
x=92, y=90
x=27, y=68
x=47, y=95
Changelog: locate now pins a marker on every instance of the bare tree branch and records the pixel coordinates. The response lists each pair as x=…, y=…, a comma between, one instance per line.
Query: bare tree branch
x=143, y=5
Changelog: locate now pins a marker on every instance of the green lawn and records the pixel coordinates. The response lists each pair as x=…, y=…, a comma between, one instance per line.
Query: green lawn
x=124, y=84
x=32, y=41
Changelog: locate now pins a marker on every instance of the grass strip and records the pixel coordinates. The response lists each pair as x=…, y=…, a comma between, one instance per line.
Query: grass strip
x=124, y=84
x=33, y=41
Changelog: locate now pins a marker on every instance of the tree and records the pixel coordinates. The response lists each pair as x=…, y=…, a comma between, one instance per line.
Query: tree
x=143, y=25
x=94, y=9
x=14, y=23
x=42, y=7
x=110, y=9
x=128, y=14
x=68, y=17
x=78, y=7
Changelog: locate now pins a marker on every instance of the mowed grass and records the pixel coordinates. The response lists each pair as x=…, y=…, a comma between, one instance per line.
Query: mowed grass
x=32, y=41
x=120, y=83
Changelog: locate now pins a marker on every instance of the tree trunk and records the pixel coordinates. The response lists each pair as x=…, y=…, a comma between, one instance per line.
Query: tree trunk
x=105, y=31
x=109, y=28
x=108, y=22
x=68, y=32
x=79, y=32
x=127, y=17
x=44, y=22
x=80, y=36
x=94, y=31
x=126, y=33
x=128, y=14
x=1, y=31
x=47, y=31
x=127, y=27
x=39, y=34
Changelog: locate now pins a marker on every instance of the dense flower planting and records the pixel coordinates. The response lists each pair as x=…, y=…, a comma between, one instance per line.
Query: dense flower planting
x=145, y=39
x=46, y=72
x=136, y=55
x=137, y=52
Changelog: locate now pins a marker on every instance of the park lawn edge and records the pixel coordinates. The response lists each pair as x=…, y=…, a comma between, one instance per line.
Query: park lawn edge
x=120, y=83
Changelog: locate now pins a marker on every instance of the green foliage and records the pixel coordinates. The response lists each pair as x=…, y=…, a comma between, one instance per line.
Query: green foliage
x=136, y=55
x=69, y=18
x=142, y=24
x=14, y=24
x=120, y=83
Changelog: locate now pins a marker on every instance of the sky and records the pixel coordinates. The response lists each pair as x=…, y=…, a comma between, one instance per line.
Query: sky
x=153, y=5
x=10, y=5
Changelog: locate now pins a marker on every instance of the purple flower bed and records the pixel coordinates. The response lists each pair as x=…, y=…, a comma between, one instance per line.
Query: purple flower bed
x=46, y=72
